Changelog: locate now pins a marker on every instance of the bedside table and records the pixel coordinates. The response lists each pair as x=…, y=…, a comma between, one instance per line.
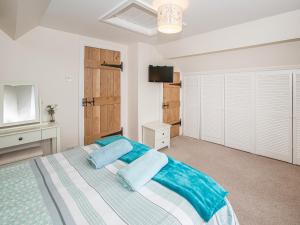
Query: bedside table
x=156, y=135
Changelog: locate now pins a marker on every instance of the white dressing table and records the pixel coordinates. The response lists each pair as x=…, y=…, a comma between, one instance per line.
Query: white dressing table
x=27, y=141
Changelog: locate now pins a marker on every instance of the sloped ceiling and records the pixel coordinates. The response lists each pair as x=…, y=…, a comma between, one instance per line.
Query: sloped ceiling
x=20, y=16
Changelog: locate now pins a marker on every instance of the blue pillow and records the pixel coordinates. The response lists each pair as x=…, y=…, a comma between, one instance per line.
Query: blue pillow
x=140, y=171
x=109, y=153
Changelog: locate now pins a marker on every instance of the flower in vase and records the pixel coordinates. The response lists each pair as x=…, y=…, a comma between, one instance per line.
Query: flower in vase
x=51, y=111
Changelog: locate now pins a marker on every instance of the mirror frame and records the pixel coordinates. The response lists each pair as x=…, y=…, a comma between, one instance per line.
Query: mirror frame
x=37, y=106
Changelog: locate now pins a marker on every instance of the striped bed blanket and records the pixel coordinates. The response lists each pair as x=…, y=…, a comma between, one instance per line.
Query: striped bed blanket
x=64, y=189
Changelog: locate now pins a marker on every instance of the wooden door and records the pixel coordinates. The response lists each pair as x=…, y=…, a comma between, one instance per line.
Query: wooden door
x=171, y=104
x=101, y=94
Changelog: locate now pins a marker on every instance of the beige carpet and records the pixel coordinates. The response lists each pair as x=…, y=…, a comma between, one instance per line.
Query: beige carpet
x=263, y=191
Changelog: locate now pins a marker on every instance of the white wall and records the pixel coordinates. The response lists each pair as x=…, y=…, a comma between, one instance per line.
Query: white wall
x=54, y=61
x=284, y=54
x=146, y=95
x=133, y=62
x=150, y=94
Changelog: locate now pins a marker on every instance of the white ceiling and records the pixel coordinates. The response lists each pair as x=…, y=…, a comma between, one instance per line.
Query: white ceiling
x=19, y=16
x=81, y=16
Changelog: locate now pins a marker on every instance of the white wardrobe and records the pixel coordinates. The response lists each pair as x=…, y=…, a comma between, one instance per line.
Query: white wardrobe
x=191, y=109
x=257, y=112
x=296, y=117
x=240, y=111
x=212, y=108
x=273, y=115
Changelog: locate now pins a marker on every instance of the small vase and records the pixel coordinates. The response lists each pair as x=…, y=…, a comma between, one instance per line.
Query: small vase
x=52, y=119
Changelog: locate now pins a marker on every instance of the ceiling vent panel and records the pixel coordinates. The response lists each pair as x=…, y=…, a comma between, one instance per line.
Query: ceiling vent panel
x=133, y=15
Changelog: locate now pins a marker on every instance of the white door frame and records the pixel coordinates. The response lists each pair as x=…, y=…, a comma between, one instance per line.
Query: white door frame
x=104, y=45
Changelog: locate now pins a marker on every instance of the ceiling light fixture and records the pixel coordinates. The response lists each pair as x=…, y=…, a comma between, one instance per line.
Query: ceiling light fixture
x=169, y=15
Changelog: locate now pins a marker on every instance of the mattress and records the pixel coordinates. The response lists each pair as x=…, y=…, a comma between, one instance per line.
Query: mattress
x=64, y=189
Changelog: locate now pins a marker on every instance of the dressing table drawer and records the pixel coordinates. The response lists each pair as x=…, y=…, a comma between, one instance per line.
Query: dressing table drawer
x=19, y=138
x=49, y=133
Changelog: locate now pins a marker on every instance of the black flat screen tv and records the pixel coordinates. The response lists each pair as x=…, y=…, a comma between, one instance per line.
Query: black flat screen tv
x=162, y=74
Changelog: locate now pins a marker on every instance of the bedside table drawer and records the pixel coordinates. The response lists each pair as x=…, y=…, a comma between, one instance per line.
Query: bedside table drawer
x=162, y=143
x=156, y=135
x=19, y=139
x=162, y=133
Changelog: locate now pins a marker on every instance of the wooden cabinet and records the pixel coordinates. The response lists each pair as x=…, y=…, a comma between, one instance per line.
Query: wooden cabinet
x=156, y=135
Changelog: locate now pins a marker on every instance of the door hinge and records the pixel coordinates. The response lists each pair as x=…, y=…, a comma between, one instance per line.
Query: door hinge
x=113, y=65
x=120, y=132
x=176, y=123
x=176, y=84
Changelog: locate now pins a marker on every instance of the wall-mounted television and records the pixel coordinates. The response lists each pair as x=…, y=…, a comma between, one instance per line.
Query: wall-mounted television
x=161, y=74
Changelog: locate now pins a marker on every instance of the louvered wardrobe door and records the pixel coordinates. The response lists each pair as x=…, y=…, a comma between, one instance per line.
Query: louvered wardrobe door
x=191, y=106
x=296, y=121
x=212, y=108
x=239, y=111
x=274, y=115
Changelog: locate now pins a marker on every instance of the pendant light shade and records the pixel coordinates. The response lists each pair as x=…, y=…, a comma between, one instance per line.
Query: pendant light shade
x=169, y=19
x=169, y=15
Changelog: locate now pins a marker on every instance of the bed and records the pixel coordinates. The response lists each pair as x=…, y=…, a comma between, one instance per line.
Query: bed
x=64, y=189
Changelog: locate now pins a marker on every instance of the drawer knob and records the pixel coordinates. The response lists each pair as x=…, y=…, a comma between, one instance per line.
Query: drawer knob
x=163, y=142
x=20, y=138
x=163, y=133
